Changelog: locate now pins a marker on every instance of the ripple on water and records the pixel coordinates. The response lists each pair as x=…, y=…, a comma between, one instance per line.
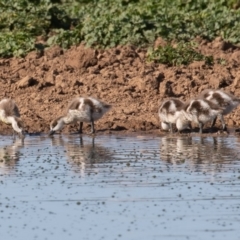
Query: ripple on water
x=107, y=187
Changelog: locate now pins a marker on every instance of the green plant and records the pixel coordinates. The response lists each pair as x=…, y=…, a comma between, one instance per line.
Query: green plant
x=182, y=54
x=221, y=61
x=64, y=38
x=108, y=23
x=17, y=44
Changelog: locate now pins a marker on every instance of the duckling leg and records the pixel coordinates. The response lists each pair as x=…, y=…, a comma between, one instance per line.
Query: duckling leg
x=81, y=141
x=200, y=128
x=224, y=127
x=171, y=127
x=93, y=142
x=80, y=127
x=92, y=127
x=14, y=134
x=213, y=122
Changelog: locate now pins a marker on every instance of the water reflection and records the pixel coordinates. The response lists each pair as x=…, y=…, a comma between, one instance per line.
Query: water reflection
x=82, y=155
x=134, y=194
x=197, y=150
x=10, y=155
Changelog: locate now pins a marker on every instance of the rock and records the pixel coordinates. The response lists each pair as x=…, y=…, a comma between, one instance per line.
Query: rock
x=236, y=82
x=60, y=82
x=53, y=52
x=26, y=82
x=160, y=42
x=83, y=58
x=118, y=127
x=49, y=79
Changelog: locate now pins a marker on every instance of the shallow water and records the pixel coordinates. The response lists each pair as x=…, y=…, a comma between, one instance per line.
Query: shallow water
x=120, y=187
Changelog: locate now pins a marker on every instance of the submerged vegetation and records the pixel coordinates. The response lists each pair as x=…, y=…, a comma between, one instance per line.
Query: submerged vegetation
x=108, y=23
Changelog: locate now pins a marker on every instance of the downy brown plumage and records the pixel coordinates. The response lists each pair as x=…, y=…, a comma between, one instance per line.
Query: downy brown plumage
x=81, y=109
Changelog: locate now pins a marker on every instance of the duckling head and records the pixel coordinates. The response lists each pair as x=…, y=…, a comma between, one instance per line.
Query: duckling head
x=183, y=123
x=56, y=125
x=165, y=126
x=17, y=125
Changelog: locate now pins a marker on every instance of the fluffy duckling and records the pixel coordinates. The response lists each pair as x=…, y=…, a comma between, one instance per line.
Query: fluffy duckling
x=170, y=113
x=9, y=114
x=81, y=110
x=165, y=126
x=201, y=111
x=226, y=100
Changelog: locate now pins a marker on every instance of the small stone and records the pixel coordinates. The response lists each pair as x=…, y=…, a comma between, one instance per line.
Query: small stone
x=26, y=82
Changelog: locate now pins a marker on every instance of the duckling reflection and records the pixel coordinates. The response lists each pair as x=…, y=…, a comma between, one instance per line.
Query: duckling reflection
x=9, y=156
x=173, y=148
x=83, y=155
x=197, y=153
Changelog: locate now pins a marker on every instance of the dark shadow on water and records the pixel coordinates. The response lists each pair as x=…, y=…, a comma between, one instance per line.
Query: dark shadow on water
x=207, y=130
x=34, y=134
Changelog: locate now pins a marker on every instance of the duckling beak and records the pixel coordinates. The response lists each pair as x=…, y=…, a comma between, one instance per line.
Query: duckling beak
x=51, y=133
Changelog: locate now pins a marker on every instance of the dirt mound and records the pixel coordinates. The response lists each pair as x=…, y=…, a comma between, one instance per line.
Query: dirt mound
x=42, y=84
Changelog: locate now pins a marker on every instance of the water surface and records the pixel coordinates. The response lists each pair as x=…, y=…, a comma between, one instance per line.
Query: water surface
x=120, y=187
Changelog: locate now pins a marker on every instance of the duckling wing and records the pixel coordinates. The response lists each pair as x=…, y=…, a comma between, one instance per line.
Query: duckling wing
x=74, y=104
x=218, y=108
x=10, y=108
x=16, y=111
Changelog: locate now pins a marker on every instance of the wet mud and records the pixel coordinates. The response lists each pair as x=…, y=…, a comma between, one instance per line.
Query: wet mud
x=43, y=84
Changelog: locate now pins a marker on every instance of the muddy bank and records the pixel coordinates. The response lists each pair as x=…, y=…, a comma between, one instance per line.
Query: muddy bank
x=42, y=84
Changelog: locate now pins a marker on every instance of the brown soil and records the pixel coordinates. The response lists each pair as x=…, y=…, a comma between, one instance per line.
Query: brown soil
x=42, y=84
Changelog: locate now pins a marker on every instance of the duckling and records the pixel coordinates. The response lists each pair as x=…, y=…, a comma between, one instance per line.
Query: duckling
x=201, y=111
x=165, y=126
x=9, y=114
x=170, y=113
x=226, y=100
x=81, y=109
